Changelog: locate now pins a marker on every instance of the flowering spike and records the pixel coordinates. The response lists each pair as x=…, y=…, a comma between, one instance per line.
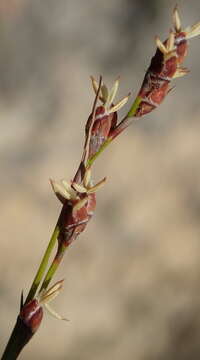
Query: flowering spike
x=165, y=66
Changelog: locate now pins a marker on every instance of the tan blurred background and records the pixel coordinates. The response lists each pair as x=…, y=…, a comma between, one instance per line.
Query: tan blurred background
x=132, y=288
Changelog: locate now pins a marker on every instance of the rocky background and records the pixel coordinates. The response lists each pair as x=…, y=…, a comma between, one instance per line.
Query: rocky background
x=132, y=288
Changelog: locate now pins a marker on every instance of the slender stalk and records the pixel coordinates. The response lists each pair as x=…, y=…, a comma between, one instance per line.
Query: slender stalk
x=43, y=265
x=53, y=267
x=134, y=107
x=20, y=334
x=95, y=156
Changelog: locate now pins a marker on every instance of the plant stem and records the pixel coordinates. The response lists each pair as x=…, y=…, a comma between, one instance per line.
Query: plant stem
x=43, y=265
x=19, y=338
x=53, y=267
x=21, y=334
x=95, y=156
x=134, y=107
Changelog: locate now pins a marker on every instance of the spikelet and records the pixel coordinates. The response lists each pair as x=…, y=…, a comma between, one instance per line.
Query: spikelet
x=165, y=65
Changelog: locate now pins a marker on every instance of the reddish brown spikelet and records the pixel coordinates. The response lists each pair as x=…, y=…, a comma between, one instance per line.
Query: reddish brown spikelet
x=105, y=116
x=74, y=221
x=79, y=203
x=165, y=65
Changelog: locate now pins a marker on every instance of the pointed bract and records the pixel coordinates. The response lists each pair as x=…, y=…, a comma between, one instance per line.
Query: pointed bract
x=176, y=20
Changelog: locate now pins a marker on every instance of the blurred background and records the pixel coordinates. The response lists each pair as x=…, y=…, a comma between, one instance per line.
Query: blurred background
x=132, y=279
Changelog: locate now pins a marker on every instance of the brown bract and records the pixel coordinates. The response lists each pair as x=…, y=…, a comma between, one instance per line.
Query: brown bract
x=31, y=315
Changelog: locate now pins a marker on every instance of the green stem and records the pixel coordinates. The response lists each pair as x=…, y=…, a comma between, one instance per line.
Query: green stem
x=21, y=335
x=134, y=107
x=53, y=267
x=43, y=265
x=101, y=149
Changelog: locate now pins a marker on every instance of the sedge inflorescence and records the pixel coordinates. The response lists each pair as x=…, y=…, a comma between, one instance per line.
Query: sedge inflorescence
x=78, y=196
